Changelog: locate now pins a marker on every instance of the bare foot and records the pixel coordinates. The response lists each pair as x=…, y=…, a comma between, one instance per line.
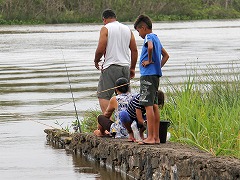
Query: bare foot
x=131, y=138
x=157, y=141
x=145, y=143
x=98, y=133
x=148, y=141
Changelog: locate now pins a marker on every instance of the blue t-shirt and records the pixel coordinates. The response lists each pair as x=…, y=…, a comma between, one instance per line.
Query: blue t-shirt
x=155, y=68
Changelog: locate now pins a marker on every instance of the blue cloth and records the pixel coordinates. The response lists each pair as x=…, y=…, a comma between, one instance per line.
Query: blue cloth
x=155, y=68
x=124, y=117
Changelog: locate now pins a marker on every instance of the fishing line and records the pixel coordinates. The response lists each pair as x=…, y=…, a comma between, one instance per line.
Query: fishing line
x=75, y=108
x=73, y=99
x=113, y=88
x=25, y=116
x=79, y=98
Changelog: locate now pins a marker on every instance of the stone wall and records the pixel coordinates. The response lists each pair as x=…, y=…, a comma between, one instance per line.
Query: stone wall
x=165, y=161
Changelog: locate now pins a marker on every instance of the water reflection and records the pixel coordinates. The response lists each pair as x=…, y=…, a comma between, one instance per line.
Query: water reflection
x=81, y=165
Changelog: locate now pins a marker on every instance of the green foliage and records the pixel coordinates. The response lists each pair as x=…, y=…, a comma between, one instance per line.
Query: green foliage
x=205, y=112
x=66, y=128
x=89, y=122
x=85, y=11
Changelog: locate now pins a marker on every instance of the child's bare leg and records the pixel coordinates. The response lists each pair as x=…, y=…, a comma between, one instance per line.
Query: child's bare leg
x=127, y=125
x=156, y=123
x=150, y=127
x=141, y=131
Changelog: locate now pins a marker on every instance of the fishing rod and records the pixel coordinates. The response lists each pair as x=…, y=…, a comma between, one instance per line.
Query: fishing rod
x=76, y=99
x=78, y=126
x=75, y=108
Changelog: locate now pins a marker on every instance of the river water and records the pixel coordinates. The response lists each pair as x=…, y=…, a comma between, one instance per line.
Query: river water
x=35, y=92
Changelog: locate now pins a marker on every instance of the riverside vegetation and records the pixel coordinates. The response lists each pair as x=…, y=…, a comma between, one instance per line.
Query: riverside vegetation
x=204, y=111
x=89, y=11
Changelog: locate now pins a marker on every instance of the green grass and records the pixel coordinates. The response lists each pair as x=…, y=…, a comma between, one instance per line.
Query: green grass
x=205, y=112
x=89, y=122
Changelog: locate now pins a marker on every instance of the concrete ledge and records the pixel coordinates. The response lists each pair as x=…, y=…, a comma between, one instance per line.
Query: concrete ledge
x=156, y=162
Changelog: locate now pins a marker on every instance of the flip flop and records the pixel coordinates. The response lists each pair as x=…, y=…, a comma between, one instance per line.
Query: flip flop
x=131, y=140
x=144, y=143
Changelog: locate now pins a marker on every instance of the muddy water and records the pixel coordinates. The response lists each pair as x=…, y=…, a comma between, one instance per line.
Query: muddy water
x=34, y=86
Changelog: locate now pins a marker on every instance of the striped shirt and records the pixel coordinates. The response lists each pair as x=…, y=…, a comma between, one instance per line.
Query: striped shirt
x=133, y=105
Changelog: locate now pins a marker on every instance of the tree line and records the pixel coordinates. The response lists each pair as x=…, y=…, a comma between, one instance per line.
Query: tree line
x=89, y=11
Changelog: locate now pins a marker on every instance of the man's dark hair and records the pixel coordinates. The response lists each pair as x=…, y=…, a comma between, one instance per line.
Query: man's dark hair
x=108, y=13
x=122, y=85
x=143, y=20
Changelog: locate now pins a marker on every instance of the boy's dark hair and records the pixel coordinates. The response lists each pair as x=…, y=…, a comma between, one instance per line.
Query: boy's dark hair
x=108, y=13
x=161, y=98
x=123, y=83
x=143, y=20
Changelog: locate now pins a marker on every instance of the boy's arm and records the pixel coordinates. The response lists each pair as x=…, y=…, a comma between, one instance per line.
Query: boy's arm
x=111, y=107
x=165, y=57
x=150, y=50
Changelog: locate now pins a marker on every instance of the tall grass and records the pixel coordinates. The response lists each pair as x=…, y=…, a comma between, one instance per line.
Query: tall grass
x=205, y=112
x=89, y=122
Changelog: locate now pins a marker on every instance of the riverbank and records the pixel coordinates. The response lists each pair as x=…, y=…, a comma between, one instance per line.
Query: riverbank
x=164, y=161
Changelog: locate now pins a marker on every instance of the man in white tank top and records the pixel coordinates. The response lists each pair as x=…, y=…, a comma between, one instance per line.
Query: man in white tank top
x=118, y=47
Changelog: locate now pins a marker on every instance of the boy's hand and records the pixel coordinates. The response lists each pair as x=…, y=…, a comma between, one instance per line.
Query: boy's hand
x=146, y=63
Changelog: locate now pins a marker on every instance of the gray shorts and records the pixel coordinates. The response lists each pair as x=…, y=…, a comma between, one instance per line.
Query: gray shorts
x=148, y=90
x=108, y=78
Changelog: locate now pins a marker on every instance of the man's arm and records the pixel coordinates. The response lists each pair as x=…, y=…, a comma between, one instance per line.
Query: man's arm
x=134, y=55
x=102, y=44
x=165, y=57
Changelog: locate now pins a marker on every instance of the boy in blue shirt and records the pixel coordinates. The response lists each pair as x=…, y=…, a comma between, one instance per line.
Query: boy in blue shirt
x=152, y=59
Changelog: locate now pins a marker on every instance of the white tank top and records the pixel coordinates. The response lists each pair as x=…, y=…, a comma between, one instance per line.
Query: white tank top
x=117, y=51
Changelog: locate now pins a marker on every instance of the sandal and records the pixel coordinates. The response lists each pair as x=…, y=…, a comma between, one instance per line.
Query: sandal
x=131, y=140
